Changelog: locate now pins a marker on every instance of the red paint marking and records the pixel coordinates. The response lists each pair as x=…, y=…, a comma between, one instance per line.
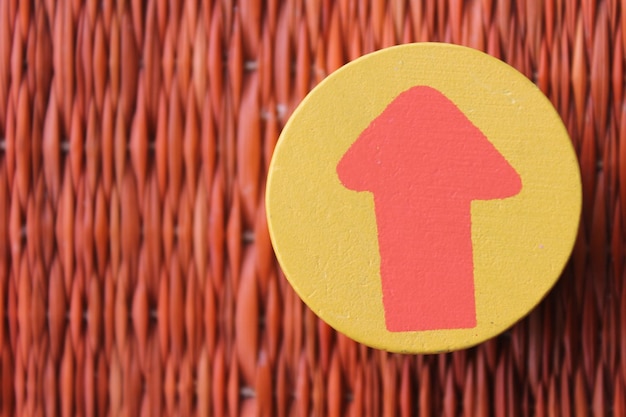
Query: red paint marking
x=425, y=162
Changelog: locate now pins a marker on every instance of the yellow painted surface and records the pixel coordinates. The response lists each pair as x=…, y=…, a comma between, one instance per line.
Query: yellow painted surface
x=325, y=235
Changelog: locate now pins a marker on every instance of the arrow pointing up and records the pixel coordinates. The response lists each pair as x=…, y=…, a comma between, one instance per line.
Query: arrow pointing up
x=425, y=162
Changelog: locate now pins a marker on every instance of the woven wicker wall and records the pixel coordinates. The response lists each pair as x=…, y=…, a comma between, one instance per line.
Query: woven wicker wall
x=136, y=273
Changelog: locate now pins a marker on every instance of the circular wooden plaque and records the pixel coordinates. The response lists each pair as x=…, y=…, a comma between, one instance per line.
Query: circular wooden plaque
x=423, y=198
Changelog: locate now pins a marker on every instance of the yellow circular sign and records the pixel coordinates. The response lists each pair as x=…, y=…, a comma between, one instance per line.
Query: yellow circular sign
x=423, y=198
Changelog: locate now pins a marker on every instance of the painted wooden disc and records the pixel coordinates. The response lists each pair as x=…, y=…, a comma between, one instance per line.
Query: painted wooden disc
x=423, y=198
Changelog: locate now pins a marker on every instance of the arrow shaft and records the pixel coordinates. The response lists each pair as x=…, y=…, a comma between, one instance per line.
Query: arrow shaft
x=427, y=267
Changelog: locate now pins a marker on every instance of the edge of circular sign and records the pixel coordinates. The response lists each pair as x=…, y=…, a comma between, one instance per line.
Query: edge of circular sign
x=374, y=344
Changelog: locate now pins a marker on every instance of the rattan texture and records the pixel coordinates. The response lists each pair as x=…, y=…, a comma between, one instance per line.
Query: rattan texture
x=136, y=271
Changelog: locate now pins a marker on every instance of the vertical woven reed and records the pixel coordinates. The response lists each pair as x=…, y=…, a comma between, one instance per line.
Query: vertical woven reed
x=136, y=272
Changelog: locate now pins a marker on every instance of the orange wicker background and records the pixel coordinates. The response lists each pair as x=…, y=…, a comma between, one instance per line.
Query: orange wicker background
x=136, y=272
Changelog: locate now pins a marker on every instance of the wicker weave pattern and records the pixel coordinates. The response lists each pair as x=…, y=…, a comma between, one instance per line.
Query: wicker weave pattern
x=136, y=273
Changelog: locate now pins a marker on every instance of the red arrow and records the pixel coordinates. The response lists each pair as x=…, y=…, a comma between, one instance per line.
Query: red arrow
x=425, y=162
